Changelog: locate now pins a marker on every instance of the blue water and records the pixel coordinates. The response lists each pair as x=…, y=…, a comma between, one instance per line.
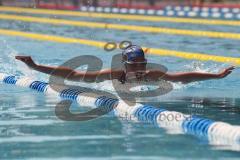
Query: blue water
x=28, y=125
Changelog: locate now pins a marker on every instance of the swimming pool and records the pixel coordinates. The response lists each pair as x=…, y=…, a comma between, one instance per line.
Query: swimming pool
x=30, y=129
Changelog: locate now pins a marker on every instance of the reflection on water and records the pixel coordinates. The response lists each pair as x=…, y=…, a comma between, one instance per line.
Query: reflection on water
x=27, y=119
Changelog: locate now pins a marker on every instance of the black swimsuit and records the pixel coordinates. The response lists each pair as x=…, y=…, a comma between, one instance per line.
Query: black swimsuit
x=122, y=79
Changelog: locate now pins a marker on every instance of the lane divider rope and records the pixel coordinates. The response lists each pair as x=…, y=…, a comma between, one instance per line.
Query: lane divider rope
x=198, y=33
x=100, y=44
x=180, y=124
x=91, y=14
x=173, y=11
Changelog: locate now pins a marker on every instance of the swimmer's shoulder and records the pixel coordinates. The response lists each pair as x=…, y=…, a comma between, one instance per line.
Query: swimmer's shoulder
x=114, y=74
x=155, y=74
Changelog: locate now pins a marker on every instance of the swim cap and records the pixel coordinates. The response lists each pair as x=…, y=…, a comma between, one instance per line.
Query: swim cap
x=131, y=53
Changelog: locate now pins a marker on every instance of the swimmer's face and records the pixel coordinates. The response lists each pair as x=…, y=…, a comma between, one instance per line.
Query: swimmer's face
x=138, y=64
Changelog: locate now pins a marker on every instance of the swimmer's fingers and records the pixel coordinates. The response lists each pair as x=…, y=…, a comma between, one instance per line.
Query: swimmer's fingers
x=226, y=72
x=231, y=68
x=17, y=57
x=27, y=60
x=23, y=58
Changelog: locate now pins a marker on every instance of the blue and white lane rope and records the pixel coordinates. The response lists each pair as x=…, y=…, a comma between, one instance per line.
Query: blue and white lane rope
x=173, y=11
x=174, y=122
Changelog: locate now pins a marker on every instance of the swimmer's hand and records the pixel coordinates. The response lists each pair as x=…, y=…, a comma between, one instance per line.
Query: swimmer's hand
x=27, y=60
x=226, y=72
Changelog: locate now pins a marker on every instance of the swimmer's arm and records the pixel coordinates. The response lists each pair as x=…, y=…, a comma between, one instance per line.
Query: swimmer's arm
x=70, y=74
x=95, y=76
x=189, y=77
x=56, y=71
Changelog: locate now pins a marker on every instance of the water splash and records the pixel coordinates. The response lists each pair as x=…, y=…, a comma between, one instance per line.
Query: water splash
x=8, y=63
x=198, y=66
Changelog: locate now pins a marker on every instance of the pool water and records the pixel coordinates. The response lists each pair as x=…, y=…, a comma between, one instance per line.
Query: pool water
x=30, y=129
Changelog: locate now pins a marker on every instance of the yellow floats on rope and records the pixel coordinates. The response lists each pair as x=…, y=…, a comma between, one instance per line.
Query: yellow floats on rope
x=99, y=44
x=123, y=27
x=121, y=16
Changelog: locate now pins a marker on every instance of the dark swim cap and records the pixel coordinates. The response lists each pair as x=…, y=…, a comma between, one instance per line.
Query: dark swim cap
x=131, y=53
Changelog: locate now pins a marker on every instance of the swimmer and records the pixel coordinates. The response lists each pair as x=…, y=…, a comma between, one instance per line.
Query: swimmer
x=135, y=67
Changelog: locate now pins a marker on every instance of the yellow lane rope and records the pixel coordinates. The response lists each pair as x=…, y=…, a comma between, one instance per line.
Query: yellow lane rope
x=121, y=16
x=123, y=27
x=99, y=44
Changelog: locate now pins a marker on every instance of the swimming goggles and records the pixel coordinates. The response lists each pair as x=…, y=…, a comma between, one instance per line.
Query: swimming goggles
x=130, y=62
